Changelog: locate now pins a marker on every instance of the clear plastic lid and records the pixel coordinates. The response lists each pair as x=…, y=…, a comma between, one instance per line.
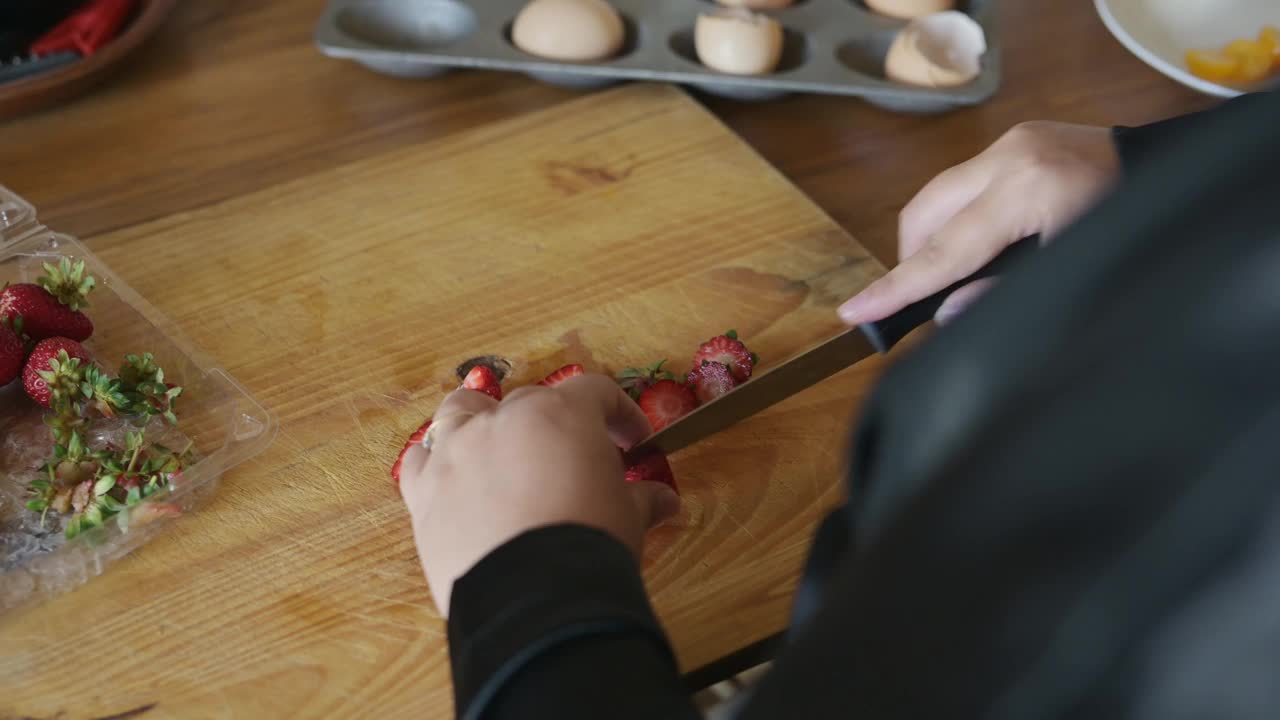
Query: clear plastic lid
x=221, y=422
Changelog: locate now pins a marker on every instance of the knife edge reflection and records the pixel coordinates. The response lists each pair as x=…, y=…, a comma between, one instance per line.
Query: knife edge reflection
x=763, y=391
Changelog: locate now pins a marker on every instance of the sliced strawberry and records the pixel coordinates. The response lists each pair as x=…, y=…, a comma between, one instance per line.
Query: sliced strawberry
x=561, y=375
x=649, y=465
x=414, y=439
x=482, y=379
x=421, y=433
x=665, y=402
x=636, y=380
x=727, y=349
x=710, y=381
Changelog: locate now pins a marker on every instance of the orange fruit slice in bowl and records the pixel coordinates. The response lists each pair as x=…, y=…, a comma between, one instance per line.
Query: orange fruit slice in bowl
x=1270, y=38
x=1253, y=57
x=1213, y=65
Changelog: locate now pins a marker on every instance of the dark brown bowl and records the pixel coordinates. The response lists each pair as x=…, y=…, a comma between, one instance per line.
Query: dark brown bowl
x=46, y=89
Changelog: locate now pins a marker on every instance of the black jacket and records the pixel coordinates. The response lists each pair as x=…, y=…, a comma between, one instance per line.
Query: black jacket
x=1064, y=504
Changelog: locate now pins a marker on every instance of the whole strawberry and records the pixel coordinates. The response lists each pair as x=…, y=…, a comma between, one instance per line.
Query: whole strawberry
x=51, y=306
x=54, y=370
x=13, y=353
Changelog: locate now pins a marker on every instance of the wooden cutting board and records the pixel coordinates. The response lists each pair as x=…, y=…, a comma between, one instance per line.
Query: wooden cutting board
x=613, y=230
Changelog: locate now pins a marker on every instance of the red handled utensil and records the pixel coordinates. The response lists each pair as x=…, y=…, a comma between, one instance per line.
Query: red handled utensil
x=86, y=30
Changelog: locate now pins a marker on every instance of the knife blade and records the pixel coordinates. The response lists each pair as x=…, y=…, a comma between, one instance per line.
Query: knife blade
x=818, y=362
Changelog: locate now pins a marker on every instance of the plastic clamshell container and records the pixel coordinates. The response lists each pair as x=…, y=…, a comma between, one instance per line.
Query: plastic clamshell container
x=225, y=425
x=833, y=47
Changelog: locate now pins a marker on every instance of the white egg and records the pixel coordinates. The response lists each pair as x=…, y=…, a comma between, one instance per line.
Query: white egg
x=738, y=41
x=758, y=4
x=910, y=9
x=940, y=50
x=568, y=30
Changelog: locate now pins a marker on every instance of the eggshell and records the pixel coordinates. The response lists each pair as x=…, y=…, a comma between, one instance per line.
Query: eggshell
x=738, y=41
x=940, y=50
x=910, y=9
x=758, y=4
x=568, y=30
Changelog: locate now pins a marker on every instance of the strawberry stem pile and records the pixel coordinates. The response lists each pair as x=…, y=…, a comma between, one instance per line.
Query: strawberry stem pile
x=719, y=365
x=42, y=326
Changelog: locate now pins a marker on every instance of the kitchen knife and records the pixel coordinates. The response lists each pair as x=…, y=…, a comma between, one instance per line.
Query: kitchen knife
x=819, y=362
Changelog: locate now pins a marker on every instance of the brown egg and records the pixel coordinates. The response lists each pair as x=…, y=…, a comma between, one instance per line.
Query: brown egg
x=940, y=50
x=758, y=4
x=738, y=41
x=910, y=9
x=568, y=30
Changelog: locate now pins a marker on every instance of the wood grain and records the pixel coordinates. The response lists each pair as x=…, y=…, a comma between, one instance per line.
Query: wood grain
x=613, y=230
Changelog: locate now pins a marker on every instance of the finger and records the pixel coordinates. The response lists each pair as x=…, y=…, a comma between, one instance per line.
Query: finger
x=522, y=392
x=961, y=299
x=599, y=394
x=411, y=469
x=656, y=503
x=463, y=402
x=973, y=237
x=940, y=199
x=415, y=489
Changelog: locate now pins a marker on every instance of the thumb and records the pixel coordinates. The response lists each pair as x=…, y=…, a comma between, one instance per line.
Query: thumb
x=655, y=502
x=967, y=242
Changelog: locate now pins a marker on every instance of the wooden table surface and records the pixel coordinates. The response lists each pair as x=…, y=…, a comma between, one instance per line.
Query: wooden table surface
x=232, y=100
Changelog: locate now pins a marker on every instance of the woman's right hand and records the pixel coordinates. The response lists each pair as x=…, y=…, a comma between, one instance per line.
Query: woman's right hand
x=1037, y=178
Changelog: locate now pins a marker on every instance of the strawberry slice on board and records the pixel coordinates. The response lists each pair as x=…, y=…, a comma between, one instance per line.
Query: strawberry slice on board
x=649, y=465
x=711, y=380
x=665, y=402
x=414, y=439
x=562, y=374
x=727, y=350
x=483, y=379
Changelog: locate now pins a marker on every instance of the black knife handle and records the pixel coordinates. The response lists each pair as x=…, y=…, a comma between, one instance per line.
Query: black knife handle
x=884, y=334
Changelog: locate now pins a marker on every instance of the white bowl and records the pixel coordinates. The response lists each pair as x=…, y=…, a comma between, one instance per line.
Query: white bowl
x=1160, y=32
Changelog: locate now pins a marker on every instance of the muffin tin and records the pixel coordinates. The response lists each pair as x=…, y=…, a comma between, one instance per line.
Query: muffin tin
x=832, y=47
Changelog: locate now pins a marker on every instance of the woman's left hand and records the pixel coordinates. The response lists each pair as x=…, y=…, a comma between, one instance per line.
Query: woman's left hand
x=542, y=456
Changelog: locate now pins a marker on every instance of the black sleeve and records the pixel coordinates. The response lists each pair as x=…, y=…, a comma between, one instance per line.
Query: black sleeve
x=1136, y=145
x=556, y=624
x=1066, y=503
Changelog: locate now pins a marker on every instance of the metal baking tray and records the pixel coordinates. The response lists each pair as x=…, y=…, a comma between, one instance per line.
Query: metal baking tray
x=832, y=47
